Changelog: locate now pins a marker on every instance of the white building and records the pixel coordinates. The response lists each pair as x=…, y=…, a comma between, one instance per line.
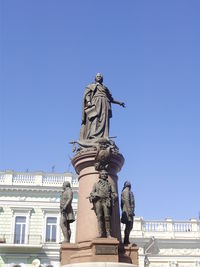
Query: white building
x=29, y=226
x=167, y=243
x=29, y=217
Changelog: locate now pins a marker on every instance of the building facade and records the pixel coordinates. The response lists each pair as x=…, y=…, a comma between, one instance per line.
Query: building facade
x=30, y=217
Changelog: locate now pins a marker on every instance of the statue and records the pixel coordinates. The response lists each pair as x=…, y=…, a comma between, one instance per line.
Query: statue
x=67, y=214
x=103, y=197
x=128, y=208
x=96, y=111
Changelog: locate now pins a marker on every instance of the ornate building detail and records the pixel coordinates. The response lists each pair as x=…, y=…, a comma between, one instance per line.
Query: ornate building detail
x=30, y=217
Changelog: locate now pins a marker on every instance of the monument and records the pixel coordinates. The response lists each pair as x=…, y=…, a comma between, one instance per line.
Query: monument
x=97, y=161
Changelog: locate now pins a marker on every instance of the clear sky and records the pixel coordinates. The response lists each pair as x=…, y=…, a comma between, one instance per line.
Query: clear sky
x=149, y=54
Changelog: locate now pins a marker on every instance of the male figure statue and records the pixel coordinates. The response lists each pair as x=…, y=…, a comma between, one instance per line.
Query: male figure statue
x=128, y=208
x=103, y=197
x=67, y=214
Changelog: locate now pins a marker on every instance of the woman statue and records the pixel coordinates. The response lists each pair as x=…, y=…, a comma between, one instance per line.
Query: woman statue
x=97, y=111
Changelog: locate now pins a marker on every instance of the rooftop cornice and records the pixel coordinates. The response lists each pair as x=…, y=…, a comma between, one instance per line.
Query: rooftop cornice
x=35, y=189
x=31, y=188
x=170, y=243
x=38, y=172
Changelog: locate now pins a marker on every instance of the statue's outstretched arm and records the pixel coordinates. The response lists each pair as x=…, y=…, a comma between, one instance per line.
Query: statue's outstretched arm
x=118, y=103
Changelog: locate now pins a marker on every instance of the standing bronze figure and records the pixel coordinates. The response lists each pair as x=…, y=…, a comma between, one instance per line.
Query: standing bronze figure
x=128, y=208
x=96, y=111
x=103, y=197
x=67, y=214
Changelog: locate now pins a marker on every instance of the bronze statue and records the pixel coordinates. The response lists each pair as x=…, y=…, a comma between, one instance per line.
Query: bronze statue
x=67, y=214
x=96, y=111
x=102, y=157
x=128, y=208
x=103, y=197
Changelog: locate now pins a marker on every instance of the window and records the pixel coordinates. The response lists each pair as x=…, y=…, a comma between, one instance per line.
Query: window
x=20, y=224
x=51, y=229
x=20, y=230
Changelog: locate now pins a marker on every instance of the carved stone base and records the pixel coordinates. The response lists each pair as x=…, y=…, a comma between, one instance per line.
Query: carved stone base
x=128, y=253
x=98, y=250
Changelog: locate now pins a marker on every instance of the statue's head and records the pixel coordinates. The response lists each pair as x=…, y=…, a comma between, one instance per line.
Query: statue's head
x=66, y=184
x=99, y=77
x=103, y=175
x=127, y=184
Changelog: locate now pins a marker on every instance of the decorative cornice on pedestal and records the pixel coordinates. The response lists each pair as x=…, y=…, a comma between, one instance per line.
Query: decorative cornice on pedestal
x=87, y=158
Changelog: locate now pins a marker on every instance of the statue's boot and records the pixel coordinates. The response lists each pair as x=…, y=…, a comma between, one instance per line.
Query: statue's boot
x=107, y=225
x=69, y=235
x=126, y=236
x=100, y=227
x=126, y=240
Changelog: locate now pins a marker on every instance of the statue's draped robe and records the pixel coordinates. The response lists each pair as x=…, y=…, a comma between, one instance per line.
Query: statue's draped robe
x=98, y=126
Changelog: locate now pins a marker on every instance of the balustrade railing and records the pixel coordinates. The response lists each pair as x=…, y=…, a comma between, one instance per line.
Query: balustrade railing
x=2, y=177
x=23, y=178
x=21, y=240
x=166, y=229
x=75, y=183
x=182, y=227
x=54, y=179
x=154, y=226
x=46, y=179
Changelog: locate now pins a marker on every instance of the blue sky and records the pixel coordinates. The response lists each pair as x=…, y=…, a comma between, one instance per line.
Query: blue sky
x=148, y=52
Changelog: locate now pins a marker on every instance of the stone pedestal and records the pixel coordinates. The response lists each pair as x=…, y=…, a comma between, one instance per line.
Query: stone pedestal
x=97, y=250
x=87, y=227
x=101, y=264
x=88, y=247
x=107, y=250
